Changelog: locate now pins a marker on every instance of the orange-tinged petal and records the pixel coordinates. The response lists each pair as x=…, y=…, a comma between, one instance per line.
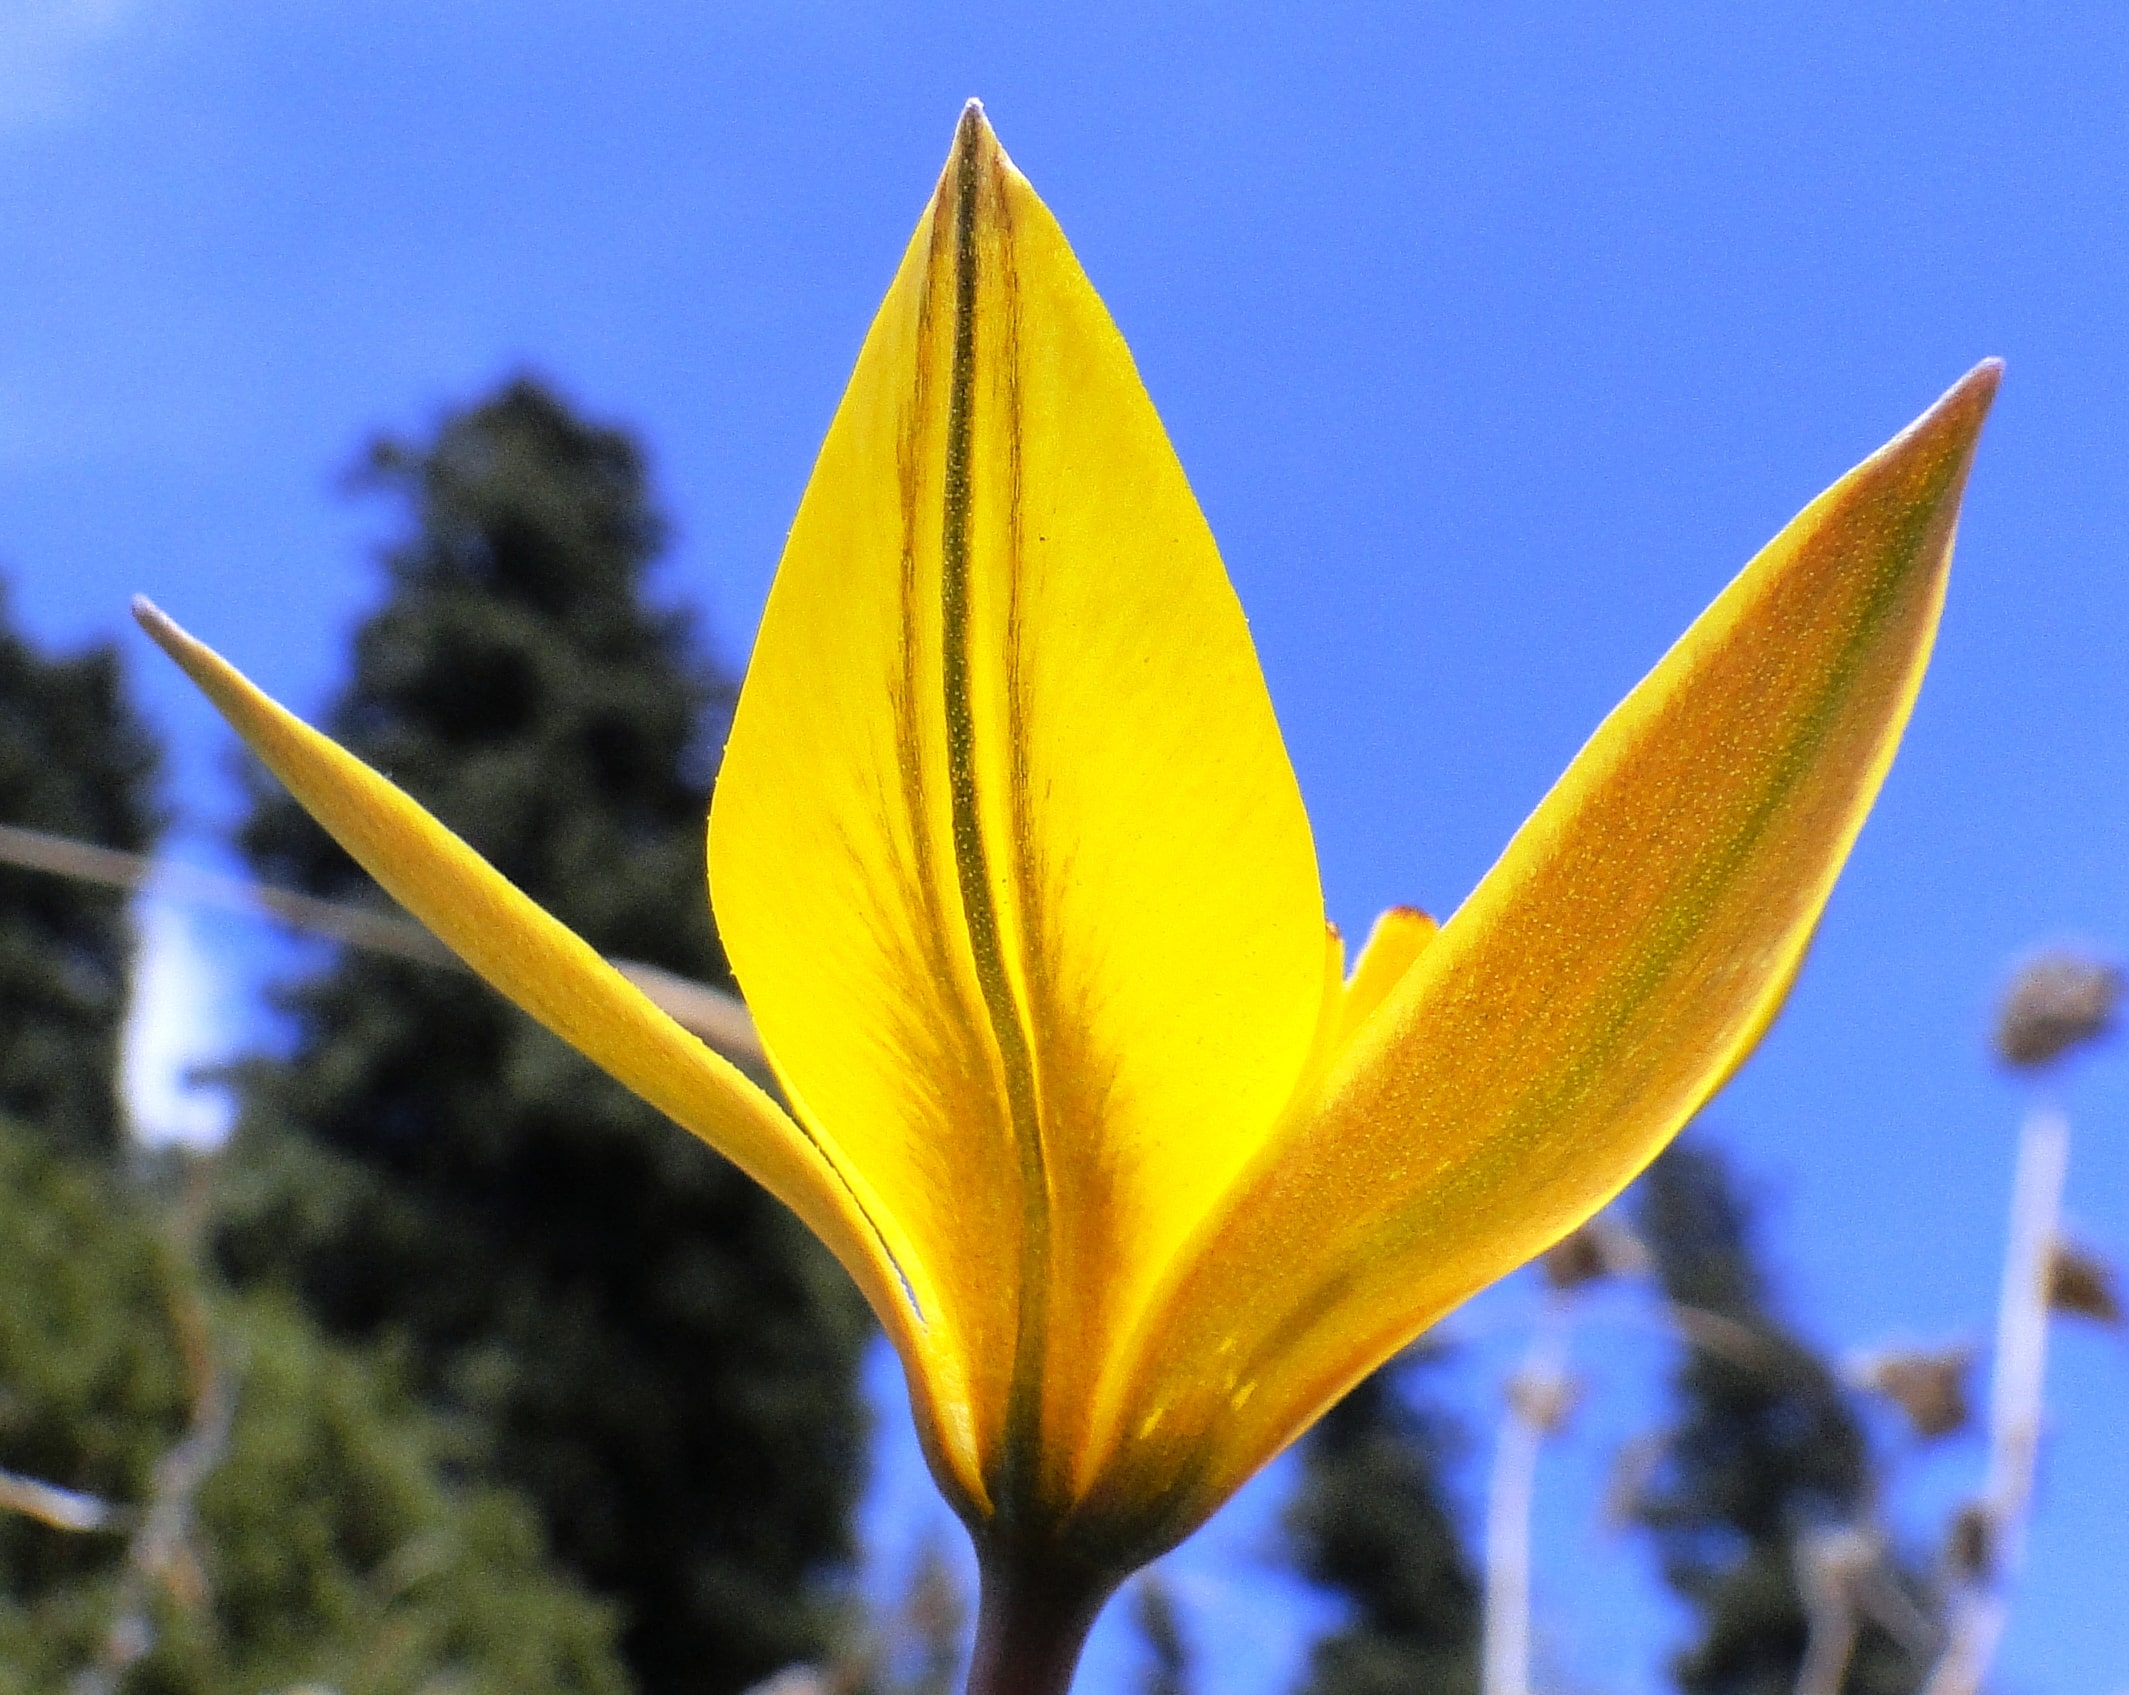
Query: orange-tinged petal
x=1006, y=849
x=540, y=964
x=1620, y=960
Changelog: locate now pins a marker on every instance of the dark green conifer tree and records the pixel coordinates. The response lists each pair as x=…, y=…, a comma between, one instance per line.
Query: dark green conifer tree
x=316, y=1541
x=1371, y=1524
x=1765, y=1448
x=75, y=760
x=654, y=1350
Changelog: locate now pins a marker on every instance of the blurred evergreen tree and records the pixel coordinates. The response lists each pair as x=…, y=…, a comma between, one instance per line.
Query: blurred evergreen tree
x=1765, y=1449
x=77, y=761
x=651, y=1347
x=322, y=1545
x=1370, y=1523
x=1168, y=1661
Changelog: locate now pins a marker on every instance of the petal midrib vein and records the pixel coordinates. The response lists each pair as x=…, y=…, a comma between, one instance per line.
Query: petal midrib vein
x=971, y=852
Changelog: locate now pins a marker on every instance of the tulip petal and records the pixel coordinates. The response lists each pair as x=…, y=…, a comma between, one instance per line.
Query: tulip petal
x=1608, y=974
x=542, y=965
x=1400, y=935
x=1006, y=849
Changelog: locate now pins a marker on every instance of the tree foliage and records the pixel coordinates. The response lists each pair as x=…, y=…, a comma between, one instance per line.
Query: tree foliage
x=1372, y=1525
x=324, y=1544
x=1764, y=1450
x=648, y=1345
x=75, y=760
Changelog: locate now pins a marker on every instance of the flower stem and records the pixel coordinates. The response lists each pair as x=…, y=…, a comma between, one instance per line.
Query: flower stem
x=1031, y=1624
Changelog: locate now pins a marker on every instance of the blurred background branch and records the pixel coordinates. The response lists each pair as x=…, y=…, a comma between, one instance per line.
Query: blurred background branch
x=2059, y=1004
x=719, y=1018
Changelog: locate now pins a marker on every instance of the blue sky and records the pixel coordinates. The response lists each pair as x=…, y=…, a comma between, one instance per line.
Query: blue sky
x=1494, y=339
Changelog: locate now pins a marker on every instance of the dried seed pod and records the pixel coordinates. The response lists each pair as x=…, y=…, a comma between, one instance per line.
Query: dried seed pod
x=1601, y=1250
x=2058, y=1001
x=1543, y=1399
x=1970, y=1548
x=2083, y=1284
x=1927, y=1384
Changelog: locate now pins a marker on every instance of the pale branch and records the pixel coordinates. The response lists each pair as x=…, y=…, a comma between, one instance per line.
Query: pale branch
x=62, y=1509
x=1535, y=1405
x=1844, y=1582
x=2015, y=1404
x=719, y=1019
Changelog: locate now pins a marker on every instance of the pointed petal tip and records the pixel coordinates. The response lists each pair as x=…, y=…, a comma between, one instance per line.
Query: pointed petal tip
x=162, y=629
x=1939, y=445
x=976, y=147
x=1975, y=391
x=1959, y=411
x=974, y=129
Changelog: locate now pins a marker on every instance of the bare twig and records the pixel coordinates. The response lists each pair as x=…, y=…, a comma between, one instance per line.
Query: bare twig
x=1740, y=1344
x=62, y=1509
x=1845, y=1582
x=721, y=1020
x=358, y=926
x=1825, y=1562
x=2015, y=1404
x=1536, y=1405
x=1538, y=1399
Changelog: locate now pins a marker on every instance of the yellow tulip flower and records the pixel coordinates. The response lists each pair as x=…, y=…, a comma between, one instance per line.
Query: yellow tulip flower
x=1013, y=870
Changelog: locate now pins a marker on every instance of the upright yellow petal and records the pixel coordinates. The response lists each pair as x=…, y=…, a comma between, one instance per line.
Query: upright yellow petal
x=1006, y=849
x=1610, y=971
x=542, y=965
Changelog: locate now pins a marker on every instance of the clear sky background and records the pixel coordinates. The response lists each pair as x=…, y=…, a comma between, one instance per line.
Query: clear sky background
x=1494, y=338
